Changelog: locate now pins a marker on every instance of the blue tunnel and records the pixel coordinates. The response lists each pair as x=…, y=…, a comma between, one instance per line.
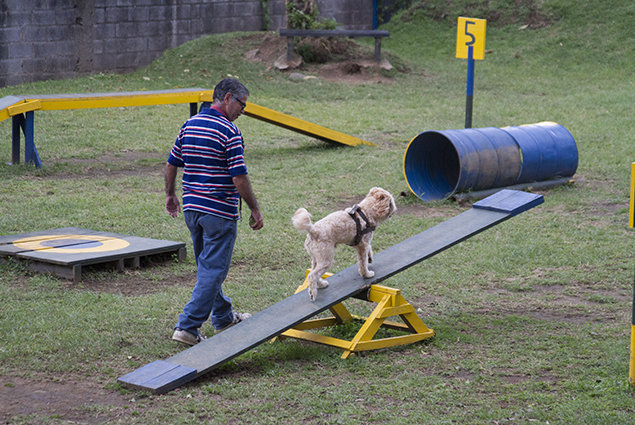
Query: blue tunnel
x=438, y=164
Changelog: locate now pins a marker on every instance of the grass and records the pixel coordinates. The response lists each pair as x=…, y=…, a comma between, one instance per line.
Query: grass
x=532, y=317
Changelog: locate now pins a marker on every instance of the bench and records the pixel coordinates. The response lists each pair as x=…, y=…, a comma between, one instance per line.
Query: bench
x=376, y=34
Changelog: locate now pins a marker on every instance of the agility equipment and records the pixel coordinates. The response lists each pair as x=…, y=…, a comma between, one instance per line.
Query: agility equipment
x=438, y=164
x=164, y=375
x=64, y=252
x=21, y=109
x=390, y=303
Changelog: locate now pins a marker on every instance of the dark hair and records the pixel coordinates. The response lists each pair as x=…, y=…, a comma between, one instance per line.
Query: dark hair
x=229, y=85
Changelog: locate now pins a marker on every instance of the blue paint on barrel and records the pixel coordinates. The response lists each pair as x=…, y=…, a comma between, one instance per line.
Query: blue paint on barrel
x=440, y=163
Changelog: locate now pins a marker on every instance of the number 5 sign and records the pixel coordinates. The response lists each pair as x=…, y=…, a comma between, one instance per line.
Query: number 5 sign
x=470, y=33
x=470, y=45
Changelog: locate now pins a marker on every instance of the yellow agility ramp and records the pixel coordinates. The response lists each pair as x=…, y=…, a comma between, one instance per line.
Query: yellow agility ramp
x=300, y=126
x=21, y=109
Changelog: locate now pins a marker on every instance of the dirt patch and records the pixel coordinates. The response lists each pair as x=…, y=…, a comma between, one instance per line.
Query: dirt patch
x=349, y=62
x=78, y=400
x=153, y=276
x=131, y=164
x=132, y=283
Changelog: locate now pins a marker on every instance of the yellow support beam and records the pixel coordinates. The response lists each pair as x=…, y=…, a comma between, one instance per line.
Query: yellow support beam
x=57, y=102
x=123, y=99
x=390, y=303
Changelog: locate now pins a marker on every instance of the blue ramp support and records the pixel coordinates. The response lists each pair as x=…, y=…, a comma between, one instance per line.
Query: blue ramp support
x=163, y=376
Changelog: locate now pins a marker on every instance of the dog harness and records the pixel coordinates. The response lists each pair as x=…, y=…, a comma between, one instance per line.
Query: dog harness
x=360, y=232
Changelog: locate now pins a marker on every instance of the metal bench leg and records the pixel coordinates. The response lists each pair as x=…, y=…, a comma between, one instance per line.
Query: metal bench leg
x=30, y=151
x=18, y=123
x=204, y=105
x=289, y=48
x=377, y=49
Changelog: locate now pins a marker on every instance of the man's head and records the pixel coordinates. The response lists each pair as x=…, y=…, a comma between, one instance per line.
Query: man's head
x=231, y=96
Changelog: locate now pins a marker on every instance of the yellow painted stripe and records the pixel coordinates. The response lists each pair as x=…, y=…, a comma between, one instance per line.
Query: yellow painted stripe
x=27, y=106
x=418, y=195
x=301, y=126
x=105, y=100
x=121, y=100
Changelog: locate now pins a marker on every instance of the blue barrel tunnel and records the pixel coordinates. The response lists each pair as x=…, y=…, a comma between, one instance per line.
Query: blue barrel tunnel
x=438, y=164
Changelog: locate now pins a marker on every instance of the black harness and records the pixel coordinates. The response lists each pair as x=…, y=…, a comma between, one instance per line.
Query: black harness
x=360, y=232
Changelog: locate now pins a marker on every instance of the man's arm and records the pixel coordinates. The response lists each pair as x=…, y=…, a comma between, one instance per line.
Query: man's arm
x=244, y=189
x=172, y=205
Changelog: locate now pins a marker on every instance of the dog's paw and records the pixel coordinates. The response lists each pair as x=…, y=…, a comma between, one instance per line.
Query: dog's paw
x=322, y=284
x=312, y=293
x=368, y=274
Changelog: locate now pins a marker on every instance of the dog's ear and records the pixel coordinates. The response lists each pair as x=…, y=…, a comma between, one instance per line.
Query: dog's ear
x=377, y=193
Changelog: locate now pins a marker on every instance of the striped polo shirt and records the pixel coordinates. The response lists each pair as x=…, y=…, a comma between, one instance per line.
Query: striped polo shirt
x=210, y=149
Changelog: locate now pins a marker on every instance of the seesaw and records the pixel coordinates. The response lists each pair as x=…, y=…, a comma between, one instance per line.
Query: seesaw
x=290, y=314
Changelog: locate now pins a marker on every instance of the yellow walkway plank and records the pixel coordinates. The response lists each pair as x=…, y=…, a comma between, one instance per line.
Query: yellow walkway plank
x=300, y=126
x=15, y=106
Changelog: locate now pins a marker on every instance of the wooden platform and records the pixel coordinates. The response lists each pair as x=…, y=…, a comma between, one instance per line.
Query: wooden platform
x=162, y=376
x=64, y=252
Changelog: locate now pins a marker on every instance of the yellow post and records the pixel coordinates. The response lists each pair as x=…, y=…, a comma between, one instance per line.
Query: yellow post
x=631, y=368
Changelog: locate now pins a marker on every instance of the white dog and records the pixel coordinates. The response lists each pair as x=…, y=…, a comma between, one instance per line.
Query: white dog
x=354, y=226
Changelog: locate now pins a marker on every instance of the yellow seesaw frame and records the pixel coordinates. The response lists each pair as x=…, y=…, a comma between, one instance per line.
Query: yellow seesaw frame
x=21, y=109
x=389, y=301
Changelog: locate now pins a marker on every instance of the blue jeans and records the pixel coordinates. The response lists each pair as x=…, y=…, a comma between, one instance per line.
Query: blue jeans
x=213, y=238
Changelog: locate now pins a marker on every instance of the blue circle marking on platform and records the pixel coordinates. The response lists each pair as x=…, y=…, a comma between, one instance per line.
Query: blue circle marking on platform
x=72, y=244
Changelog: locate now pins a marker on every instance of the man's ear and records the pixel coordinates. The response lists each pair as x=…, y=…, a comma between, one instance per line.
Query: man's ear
x=228, y=97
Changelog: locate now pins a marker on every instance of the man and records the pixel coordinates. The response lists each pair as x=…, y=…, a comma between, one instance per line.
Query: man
x=210, y=149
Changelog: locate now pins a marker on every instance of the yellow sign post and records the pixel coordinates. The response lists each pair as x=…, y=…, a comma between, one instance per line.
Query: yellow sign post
x=470, y=45
x=470, y=33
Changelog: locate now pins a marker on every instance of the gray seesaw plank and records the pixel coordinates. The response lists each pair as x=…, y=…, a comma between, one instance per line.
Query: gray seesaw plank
x=225, y=346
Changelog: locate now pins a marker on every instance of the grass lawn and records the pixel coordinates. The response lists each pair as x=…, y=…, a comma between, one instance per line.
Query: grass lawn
x=532, y=317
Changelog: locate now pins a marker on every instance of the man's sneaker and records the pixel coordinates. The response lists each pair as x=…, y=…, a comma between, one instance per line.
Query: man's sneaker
x=238, y=317
x=187, y=338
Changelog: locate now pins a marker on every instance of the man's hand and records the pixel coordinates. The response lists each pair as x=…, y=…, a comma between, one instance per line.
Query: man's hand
x=172, y=205
x=256, y=220
x=243, y=185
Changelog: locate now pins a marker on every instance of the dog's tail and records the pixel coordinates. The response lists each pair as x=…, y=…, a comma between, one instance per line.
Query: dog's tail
x=302, y=220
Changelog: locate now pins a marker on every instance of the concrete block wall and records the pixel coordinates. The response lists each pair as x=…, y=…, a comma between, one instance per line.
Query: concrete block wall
x=57, y=39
